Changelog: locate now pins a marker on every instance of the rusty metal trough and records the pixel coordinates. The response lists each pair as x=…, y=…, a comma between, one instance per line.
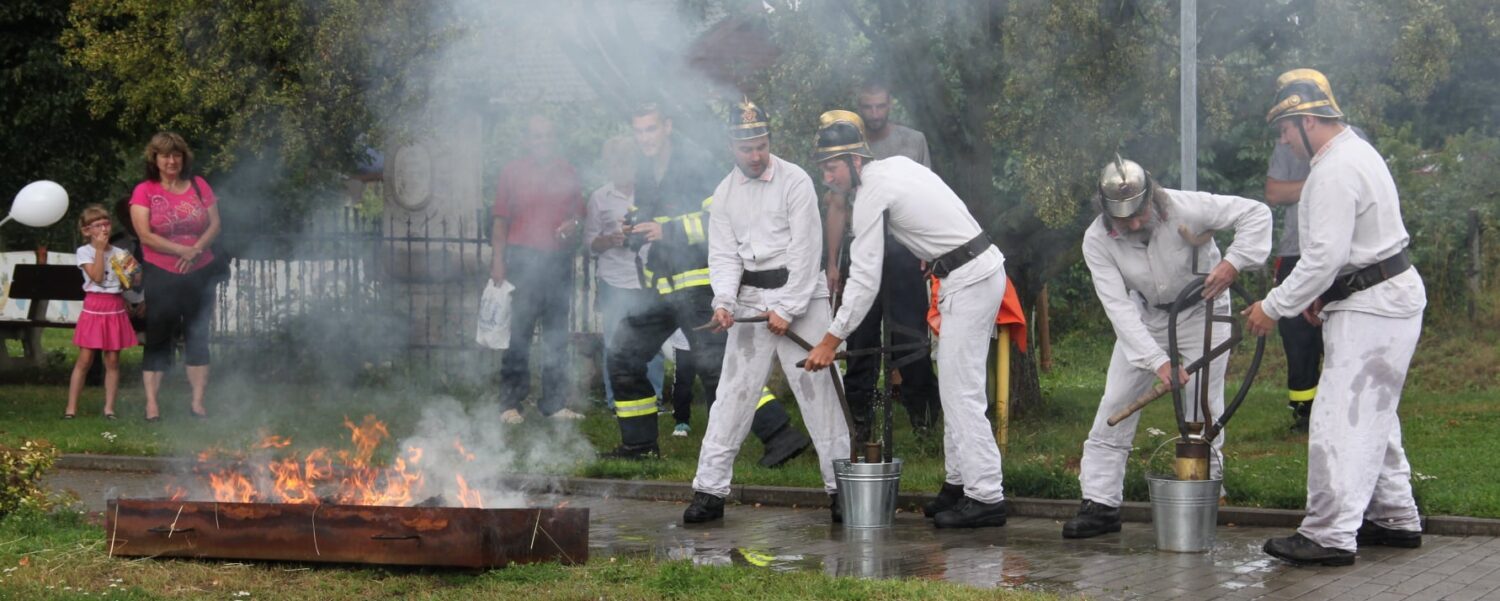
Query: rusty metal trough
x=410, y=536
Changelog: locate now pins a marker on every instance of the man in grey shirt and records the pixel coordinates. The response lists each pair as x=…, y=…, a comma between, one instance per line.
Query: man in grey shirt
x=903, y=284
x=1301, y=339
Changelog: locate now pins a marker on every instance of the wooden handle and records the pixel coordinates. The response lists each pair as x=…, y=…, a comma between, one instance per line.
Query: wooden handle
x=1140, y=403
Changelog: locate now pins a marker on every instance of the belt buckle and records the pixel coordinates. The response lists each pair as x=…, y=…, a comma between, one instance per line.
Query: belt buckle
x=939, y=269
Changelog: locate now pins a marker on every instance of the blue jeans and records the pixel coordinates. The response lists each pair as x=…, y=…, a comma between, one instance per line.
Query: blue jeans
x=543, y=296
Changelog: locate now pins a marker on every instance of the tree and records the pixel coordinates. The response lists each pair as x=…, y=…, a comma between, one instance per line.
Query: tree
x=49, y=133
x=297, y=89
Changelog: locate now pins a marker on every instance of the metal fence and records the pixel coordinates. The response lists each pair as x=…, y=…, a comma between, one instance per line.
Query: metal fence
x=406, y=286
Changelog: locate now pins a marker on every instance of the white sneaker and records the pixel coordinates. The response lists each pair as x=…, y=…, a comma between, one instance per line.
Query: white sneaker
x=682, y=430
x=511, y=416
x=566, y=414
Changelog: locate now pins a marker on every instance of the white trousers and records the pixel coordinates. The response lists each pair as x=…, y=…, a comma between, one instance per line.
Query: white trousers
x=970, y=455
x=747, y=364
x=1356, y=467
x=1102, y=471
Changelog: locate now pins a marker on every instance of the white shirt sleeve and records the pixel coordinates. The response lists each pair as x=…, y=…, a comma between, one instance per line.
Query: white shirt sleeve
x=1140, y=349
x=867, y=257
x=1250, y=220
x=1325, y=248
x=724, y=265
x=803, y=250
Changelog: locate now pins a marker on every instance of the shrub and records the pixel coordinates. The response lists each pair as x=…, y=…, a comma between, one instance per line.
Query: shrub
x=21, y=470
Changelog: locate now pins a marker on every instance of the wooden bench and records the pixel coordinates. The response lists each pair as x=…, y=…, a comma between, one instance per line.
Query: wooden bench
x=39, y=284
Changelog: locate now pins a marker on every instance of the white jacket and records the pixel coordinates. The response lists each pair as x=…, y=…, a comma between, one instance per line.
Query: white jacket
x=925, y=217
x=1349, y=218
x=1134, y=273
x=767, y=223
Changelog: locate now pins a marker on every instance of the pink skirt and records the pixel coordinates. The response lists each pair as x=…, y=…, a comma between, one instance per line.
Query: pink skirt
x=103, y=325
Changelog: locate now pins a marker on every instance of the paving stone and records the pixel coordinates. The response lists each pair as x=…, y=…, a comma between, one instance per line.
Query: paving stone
x=1027, y=554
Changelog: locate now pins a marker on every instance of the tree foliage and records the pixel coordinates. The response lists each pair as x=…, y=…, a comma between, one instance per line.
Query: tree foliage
x=296, y=88
x=48, y=131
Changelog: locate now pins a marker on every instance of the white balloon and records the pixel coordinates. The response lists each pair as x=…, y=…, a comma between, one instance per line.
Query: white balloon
x=40, y=204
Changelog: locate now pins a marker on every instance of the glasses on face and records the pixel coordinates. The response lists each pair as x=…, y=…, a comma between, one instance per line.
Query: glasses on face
x=98, y=224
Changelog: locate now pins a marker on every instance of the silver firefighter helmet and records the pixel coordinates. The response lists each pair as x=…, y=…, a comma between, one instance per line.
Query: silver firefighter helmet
x=1123, y=184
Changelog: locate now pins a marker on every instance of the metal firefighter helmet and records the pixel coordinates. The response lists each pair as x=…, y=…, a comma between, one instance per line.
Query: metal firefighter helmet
x=1123, y=185
x=1303, y=92
x=748, y=121
x=840, y=133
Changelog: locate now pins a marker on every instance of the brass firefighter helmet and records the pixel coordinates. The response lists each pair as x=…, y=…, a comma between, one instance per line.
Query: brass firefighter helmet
x=839, y=133
x=1123, y=185
x=1303, y=92
x=748, y=121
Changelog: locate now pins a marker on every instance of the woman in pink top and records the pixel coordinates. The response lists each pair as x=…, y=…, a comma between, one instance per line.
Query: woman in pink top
x=176, y=217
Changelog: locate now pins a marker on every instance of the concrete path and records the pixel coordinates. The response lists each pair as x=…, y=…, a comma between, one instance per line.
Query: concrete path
x=1028, y=553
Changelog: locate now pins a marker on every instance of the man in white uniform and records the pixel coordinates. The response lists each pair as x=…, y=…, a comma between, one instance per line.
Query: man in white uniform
x=1140, y=254
x=923, y=214
x=1354, y=275
x=763, y=250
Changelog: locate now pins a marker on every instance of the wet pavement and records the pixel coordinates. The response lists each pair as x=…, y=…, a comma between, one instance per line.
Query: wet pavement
x=1027, y=554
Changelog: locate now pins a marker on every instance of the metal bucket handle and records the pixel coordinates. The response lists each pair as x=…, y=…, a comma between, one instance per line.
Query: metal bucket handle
x=1211, y=448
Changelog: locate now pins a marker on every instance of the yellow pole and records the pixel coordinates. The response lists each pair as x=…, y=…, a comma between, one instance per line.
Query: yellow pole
x=1002, y=389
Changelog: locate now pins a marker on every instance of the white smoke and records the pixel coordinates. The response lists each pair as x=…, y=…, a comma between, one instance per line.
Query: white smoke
x=458, y=441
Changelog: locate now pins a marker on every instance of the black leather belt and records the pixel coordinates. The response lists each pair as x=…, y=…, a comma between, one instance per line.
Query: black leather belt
x=1367, y=277
x=958, y=257
x=769, y=279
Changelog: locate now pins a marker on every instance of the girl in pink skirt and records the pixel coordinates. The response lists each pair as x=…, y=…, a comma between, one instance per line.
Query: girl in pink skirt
x=103, y=325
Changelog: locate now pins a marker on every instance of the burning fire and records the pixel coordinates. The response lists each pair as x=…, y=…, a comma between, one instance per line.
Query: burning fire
x=315, y=477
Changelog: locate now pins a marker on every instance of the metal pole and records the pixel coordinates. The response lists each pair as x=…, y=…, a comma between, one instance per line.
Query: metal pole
x=1188, y=52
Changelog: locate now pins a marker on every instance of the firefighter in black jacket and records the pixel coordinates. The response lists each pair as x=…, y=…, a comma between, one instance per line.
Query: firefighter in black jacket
x=672, y=196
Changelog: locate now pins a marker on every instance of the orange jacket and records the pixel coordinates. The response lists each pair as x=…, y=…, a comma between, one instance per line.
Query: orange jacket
x=1010, y=315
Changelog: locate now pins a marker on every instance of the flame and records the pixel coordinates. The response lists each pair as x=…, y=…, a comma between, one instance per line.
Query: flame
x=176, y=492
x=292, y=477
x=366, y=438
x=462, y=452
x=232, y=487
x=291, y=484
x=468, y=496
x=562, y=504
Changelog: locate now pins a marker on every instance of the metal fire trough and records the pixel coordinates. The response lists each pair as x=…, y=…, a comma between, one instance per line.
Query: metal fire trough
x=411, y=536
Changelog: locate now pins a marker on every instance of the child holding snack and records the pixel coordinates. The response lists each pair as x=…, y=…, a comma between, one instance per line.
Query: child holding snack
x=103, y=325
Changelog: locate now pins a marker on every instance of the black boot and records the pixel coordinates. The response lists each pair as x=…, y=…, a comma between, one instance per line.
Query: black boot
x=1093, y=519
x=634, y=454
x=836, y=509
x=705, y=508
x=1301, y=416
x=1297, y=549
x=1372, y=534
x=784, y=446
x=947, y=497
x=972, y=514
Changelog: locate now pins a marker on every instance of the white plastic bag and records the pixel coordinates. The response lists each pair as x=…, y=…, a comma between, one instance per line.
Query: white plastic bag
x=494, y=316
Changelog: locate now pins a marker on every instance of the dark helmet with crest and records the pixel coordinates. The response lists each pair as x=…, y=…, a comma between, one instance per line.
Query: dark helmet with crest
x=748, y=121
x=840, y=133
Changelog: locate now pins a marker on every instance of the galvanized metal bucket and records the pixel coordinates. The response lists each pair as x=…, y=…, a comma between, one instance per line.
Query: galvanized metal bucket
x=1184, y=513
x=867, y=492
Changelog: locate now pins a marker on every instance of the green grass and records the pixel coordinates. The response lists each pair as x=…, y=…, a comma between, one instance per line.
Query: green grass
x=63, y=557
x=1449, y=418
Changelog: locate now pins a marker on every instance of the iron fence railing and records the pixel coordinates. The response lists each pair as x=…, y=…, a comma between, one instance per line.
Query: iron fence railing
x=412, y=282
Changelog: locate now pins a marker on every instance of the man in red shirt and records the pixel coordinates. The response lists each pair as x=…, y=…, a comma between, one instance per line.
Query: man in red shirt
x=538, y=204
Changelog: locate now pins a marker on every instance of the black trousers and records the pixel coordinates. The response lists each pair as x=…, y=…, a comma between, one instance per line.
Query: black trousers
x=1303, y=343
x=903, y=286
x=641, y=335
x=682, y=386
x=176, y=303
x=543, y=296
